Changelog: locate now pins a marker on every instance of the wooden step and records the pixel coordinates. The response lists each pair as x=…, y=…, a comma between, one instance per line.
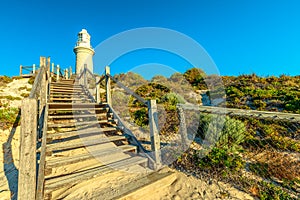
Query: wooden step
x=79, y=109
x=80, y=133
x=69, y=96
x=66, y=89
x=72, y=124
x=64, y=85
x=72, y=179
x=78, y=143
x=83, y=100
x=83, y=157
x=78, y=116
x=53, y=92
x=75, y=105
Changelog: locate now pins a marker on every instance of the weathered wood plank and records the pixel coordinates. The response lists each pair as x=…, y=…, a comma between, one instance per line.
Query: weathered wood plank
x=84, y=157
x=41, y=172
x=27, y=170
x=245, y=113
x=81, y=133
x=154, y=131
x=73, y=179
x=107, y=85
x=82, y=143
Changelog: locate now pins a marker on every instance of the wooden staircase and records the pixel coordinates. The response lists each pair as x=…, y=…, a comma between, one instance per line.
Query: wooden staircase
x=83, y=140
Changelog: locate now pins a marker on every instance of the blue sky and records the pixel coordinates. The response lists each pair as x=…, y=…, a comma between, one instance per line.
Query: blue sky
x=242, y=37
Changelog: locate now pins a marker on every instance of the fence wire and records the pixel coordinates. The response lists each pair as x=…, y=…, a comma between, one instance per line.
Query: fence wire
x=258, y=154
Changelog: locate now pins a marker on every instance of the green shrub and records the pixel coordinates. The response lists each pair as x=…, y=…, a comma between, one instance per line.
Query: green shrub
x=22, y=88
x=11, y=98
x=31, y=80
x=25, y=95
x=141, y=117
x=227, y=140
x=8, y=116
x=4, y=80
x=228, y=137
x=171, y=100
x=269, y=191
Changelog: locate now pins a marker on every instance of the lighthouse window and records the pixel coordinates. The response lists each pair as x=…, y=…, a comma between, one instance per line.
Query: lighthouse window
x=80, y=37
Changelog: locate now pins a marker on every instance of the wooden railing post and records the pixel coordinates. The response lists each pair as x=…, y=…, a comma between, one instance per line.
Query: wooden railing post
x=70, y=71
x=53, y=68
x=20, y=70
x=48, y=64
x=57, y=73
x=33, y=69
x=107, y=85
x=67, y=73
x=154, y=131
x=98, y=90
x=27, y=169
x=183, y=129
x=84, y=76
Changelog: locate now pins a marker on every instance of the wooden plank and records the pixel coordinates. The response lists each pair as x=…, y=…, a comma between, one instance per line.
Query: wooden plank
x=54, y=90
x=78, y=109
x=82, y=143
x=27, y=169
x=72, y=124
x=245, y=113
x=72, y=179
x=84, y=157
x=35, y=91
x=154, y=132
x=66, y=92
x=75, y=104
x=60, y=84
x=79, y=116
x=107, y=85
x=41, y=172
x=183, y=129
x=81, y=133
x=68, y=96
x=83, y=100
x=151, y=183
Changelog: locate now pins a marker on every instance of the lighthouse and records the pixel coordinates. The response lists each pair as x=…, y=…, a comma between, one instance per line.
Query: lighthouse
x=84, y=52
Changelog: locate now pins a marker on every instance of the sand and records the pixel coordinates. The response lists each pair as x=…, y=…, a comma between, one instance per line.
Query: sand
x=181, y=186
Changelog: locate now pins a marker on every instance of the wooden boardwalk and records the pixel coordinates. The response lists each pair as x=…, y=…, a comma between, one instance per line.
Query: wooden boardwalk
x=83, y=141
x=71, y=138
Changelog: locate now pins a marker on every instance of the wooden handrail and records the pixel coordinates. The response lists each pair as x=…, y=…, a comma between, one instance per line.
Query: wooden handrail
x=41, y=169
x=33, y=119
x=244, y=113
x=133, y=139
x=37, y=84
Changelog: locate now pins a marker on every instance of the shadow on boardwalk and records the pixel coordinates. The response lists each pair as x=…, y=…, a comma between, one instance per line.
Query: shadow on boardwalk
x=10, y=170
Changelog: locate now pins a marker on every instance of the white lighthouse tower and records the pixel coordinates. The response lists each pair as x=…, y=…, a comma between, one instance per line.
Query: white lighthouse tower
x=84, y=52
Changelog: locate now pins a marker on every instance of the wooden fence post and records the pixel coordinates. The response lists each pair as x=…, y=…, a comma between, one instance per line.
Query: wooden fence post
x=107, y=85
x=53, y=68
x=48, y=64
x=70, y=71
x=57, y=73
x=97, y=90
x=183, y=129
x=67, y=73
x=27, y=169
x=85, y=78
x=154, y=132
x=33, y=69
x=20, y=70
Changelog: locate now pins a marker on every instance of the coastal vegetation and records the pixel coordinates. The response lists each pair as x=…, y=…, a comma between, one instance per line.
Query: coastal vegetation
x=252, y=154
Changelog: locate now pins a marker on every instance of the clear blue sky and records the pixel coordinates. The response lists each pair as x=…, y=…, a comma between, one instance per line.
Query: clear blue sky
x=242, y=37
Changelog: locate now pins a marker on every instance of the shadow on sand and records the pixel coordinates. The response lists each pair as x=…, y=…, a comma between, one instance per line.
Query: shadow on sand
x=10, y=170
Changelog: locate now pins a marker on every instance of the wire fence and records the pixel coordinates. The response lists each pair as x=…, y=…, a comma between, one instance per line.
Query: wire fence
x=256, y=152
